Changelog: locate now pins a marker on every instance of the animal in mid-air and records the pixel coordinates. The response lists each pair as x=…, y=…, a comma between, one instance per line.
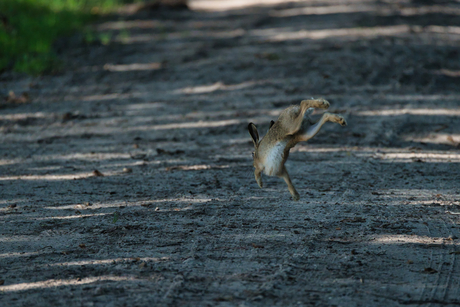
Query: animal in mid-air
x=293, y=126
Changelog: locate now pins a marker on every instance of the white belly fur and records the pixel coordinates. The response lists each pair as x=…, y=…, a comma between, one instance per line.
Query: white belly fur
x=274, y=158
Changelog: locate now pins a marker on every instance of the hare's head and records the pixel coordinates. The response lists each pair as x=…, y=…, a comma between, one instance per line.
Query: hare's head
x=258, y=165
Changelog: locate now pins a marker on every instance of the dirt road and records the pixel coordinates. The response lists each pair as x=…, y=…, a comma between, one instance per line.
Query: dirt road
x=127, y=179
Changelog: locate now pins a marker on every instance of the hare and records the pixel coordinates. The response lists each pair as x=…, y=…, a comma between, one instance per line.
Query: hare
x=293, y=126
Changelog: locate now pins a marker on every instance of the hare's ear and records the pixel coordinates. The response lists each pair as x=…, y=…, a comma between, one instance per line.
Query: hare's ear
x=254, y=134
x=271, y=124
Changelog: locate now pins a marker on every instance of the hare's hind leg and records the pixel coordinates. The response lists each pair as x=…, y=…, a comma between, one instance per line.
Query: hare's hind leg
x=296, y=115
x=314, y=129
x=284, y=174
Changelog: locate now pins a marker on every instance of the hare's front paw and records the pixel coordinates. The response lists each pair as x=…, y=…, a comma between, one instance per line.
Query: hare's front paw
x=260, y=183
x=259, y=179
x=341, y=120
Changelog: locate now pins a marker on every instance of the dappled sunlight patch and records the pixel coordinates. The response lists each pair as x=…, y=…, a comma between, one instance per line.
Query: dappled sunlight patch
x=53, y=283
x=214, y=87
x=443, y=29
x=196, y=167
x=68, y=217
x=403, y=239
x=144, y=203
x=48, y=177
x=286, y=34
x=448, y=72
x=365, y=7
x=199, y=124
x=225, y=5
x=144, y=106
x=111, y=261
x=415, y=111
x=280, y=34
x=10, y=161
x=89, y=156
x=132, y=67
x=436, y=138
x=406, y=155
x=22, y=116
x=417, y=157
x=323, y=10
x=60, y=177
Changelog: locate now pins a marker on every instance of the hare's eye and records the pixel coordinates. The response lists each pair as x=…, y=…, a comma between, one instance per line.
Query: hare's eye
x=253, y=154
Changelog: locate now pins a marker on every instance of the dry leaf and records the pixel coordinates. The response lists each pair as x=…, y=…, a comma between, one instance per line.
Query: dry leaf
x=12, y=98
x=257, y=246
x=97, y=173
x=441, y=128
x=451, y=139
x=410, y=262
x=429, y=271
x=82, y=246
x=2, y=282
x=127, y=170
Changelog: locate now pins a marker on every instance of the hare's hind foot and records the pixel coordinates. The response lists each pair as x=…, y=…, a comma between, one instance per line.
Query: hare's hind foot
x=315, y=103
x=295, y=196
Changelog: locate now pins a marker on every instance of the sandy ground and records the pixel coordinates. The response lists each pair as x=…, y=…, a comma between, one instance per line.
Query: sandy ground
x=177, y=218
